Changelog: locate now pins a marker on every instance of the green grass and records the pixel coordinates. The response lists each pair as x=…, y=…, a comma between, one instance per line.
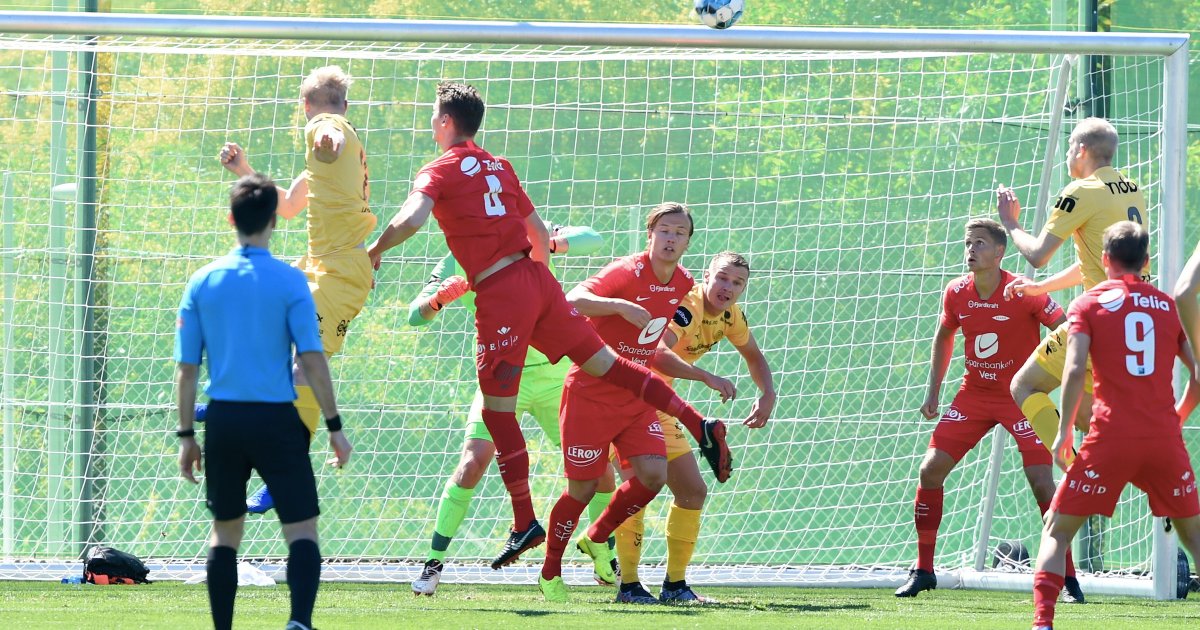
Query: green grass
x=163, y=605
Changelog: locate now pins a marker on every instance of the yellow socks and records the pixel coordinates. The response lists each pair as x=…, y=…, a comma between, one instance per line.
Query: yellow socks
x=683, y=529
x=629, y=546
x=310, y=410
x=1043, y=418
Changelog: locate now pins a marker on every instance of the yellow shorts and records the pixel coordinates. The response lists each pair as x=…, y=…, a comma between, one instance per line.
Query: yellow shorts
x=340, y=284
x=675, y=435
x=1051, y=355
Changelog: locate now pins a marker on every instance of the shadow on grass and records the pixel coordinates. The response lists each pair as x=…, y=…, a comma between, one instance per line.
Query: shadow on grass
x=689, y=610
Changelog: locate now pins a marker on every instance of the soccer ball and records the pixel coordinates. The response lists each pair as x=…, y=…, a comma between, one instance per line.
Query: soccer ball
x=719, y=13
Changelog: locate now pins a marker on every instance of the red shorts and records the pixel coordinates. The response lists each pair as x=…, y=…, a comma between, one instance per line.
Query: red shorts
x=519, y=306
x=971, y=416
x=588, y=426
x=1160, y=467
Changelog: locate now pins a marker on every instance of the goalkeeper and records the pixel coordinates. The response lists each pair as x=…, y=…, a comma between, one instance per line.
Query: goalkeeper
x=540, y=394
x=334, y=186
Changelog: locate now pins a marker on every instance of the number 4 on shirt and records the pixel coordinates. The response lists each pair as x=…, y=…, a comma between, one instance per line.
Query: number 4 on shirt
x=491, y=199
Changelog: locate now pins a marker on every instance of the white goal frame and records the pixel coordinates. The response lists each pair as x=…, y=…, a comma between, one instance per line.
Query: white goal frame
x=1173, y=48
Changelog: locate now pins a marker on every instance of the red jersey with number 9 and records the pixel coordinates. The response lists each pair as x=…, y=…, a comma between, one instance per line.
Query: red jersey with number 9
x=1135, y=337
x=631, y=278
x=479, y=204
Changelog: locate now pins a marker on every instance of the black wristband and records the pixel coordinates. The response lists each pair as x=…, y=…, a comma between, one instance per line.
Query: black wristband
x=334, y=424
x=185, y=433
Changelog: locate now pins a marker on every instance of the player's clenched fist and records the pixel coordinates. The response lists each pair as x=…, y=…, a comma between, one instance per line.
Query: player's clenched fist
x=233, y=158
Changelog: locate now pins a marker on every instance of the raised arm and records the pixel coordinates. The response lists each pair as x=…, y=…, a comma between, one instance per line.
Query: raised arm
x=411, y=216
x=760, y=373
x=575, y=240
x=292, y=200
x=1036, y=249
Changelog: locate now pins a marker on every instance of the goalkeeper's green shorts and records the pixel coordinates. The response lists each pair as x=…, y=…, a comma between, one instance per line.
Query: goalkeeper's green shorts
x=540, y=395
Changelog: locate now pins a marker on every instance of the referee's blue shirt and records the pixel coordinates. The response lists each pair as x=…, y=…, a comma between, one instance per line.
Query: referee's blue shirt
x=246, y=310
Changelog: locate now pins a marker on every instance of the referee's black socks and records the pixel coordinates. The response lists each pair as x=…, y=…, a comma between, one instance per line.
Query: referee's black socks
x=222, y=585
x=303, y=578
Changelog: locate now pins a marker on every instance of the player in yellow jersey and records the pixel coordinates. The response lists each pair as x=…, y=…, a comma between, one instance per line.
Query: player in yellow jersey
x=1097, y=198
x=706, y=315
x=335, y=187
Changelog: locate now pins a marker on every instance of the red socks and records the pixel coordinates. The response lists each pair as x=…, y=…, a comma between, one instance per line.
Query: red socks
x=927, y=516
x=1046, y=588
x=631, y=497
x=1045, y=508
x=564, y=517
x=513, y=461
x=649, y=387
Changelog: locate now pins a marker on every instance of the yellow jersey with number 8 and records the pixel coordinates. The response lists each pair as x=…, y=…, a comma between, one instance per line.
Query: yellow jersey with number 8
x=1086, y=207
x=339, y=216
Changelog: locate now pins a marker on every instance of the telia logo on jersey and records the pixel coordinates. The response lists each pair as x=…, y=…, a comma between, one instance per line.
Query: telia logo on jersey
x=583, y=455
x=986, y=344
x=1149, y=301
x=469, y=166
x=954, y=415
x=1112, y=300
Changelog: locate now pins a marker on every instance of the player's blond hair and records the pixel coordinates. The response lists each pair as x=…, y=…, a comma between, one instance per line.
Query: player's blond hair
x=325, y=87
x=1099, y=136
x=732, y=258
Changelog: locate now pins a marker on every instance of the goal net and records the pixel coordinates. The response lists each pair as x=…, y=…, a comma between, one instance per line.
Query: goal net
x=845, y=177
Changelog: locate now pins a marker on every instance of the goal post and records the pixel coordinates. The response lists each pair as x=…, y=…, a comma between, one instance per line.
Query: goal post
x=843, y=162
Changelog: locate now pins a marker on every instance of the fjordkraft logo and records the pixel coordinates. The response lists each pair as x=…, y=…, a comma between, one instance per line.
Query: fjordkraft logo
x=586, y=455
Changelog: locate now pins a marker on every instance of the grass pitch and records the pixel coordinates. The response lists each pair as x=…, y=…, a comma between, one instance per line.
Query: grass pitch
x=32, y=605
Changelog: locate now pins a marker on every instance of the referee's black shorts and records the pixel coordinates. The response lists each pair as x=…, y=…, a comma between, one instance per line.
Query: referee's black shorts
x=268, y=437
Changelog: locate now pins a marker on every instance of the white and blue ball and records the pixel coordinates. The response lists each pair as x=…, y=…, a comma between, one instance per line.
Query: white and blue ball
x=720, y=13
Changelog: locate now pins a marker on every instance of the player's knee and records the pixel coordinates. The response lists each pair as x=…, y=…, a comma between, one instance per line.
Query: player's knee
x=476, y=457
x=653, y=478
x=934, y=470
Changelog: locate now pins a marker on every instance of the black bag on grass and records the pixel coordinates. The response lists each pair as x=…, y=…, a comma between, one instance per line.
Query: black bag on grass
x=105, y=565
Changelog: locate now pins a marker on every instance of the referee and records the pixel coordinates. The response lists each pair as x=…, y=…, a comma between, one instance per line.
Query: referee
x=246, y=310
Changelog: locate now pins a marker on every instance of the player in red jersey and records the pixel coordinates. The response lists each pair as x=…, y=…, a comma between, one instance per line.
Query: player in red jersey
x=998, y=334
x=1133, y=334
x=630, y=302
x=491, y=228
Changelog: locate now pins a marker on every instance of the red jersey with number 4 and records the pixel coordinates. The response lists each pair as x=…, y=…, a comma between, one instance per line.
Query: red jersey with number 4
x=479, y=203
x=998, y=334
x=631, y=278
x=1135, y=337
